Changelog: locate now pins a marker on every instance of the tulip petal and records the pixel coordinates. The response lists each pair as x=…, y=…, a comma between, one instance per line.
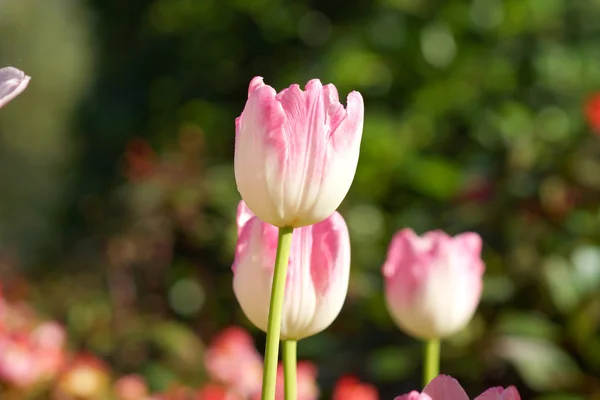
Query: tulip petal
x=12, y=83
x=414, y=395
x=444, y=387
x=499, y=393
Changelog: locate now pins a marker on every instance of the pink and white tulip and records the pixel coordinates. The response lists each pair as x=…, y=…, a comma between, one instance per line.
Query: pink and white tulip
x=12, y=83
x=296, y=151
x=433, y=283
x=317, y=276
x=444, y=387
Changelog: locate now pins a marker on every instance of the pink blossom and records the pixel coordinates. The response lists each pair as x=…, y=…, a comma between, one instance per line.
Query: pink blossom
x=12, y=83
x=27, y=358
x=233, y=360
x=296, y=152
x=131, y=387
x=433, y=283
x=317, y=277
x=350, y=388
x=212, y=391
x=444, y=387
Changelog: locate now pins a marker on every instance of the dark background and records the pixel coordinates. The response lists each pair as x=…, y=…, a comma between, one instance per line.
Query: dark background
x=118, y=196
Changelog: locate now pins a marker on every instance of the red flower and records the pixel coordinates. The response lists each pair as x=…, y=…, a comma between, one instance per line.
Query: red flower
x=592, y=112
x=350, y=388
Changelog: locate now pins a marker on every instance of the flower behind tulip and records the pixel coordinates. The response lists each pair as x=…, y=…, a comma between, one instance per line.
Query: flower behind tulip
x=444, y=387
x=233, y=361
x=296, y=152
x=433, y=283
x=350, y=388
x=12, y=83
x=317, y=276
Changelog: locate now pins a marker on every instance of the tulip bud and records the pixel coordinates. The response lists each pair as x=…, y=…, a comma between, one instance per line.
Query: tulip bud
x=12, y=83
x=296, y=152
x=317, y=276
x=433, y=283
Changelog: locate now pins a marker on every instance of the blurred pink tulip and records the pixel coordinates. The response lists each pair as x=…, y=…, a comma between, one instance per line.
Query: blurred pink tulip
x=350, y=388
x=233, y=360
x=131, y=387
x=27, y=358
x=500, y=393
x=296, y=152
x=317, y=277
x=12, y=83
x=306, y=382
x=212, y=391
x=444, y=387
x=433, y=283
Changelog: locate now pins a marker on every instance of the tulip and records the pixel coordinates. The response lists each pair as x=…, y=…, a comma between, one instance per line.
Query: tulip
x=12, y=83
x=296, y=151
x=131, y=387
x=232, y=360
x=350, y=388
x=317, y=276
x=433, y=283
x=444, y=387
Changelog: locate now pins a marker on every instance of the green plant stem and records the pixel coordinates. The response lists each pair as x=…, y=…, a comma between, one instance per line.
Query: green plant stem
x=431, y=368
x=275, y=310
x=289, y=369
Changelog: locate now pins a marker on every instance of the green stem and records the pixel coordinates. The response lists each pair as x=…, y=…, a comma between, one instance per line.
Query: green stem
x=431, y=368
x=275, y=310
x=289, y=369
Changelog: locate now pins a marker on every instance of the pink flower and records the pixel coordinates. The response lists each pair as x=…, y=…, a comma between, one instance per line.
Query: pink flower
x=444, y=387
x=592, y=112
x=232, y=360
x=296, y=152
x=433, y=283
x=317, y=277
x=131, y=387
x=27, y=358
x=306, y=382
x=500, y=393
x=212, y=391
x=12, y=83
x=350, y=388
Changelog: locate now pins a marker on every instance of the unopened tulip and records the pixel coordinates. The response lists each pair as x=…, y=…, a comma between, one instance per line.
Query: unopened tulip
x=433, y=283
x=444, y=387
x=12, y=82
x=317, y=275
x=296, y=151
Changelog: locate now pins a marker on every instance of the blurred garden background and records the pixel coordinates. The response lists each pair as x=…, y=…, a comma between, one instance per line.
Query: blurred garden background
x=118, y=194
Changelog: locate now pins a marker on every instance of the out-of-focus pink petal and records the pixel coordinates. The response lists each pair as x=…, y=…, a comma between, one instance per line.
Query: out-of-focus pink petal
x=233, y=360
x=499, y=393
x=350, y=388
x=414, y=395
x=444, y=387
x=12, y=83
